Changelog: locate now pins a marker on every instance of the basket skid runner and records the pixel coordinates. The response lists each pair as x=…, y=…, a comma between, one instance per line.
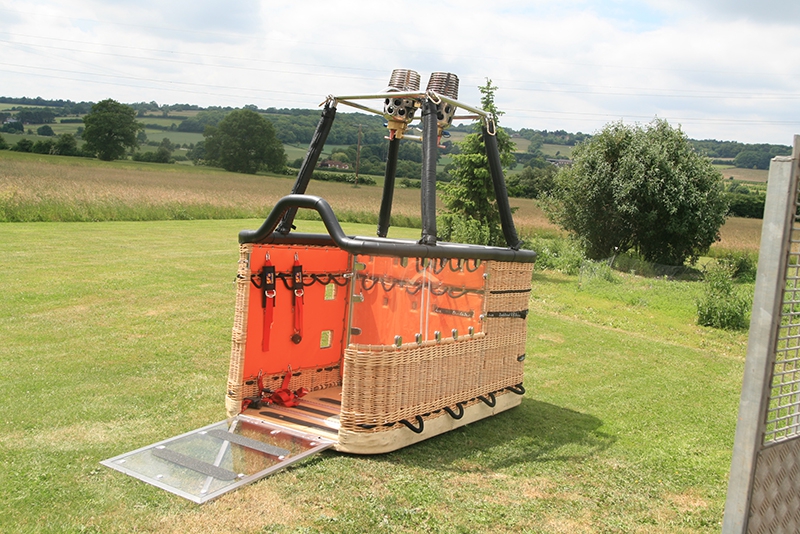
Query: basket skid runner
x=362, y=344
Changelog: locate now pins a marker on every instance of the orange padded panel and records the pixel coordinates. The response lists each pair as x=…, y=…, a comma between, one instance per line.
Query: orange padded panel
x=324, y=310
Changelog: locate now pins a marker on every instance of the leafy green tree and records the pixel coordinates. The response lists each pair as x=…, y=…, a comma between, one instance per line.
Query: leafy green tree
x=642, y=188
x=341, y=157
x=66, y=145
x=471, y=214
x=752, y=159
x=45, y=130
x=43, y=147
x=244, y=141
x=197, y=153
x=199, y=122
x=3, y=143
x=110, y=129
x=160, y=155
x=13, y=127
x=532, y=182
x=23, y=145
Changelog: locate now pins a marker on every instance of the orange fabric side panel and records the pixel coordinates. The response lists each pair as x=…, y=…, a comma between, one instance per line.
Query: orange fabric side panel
x=420, y=297
x=324, y=310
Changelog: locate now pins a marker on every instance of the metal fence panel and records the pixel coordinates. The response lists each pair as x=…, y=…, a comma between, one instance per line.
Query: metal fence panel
x=764, y=486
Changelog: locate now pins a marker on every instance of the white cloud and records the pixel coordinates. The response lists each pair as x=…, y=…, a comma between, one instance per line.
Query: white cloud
x=725, y=71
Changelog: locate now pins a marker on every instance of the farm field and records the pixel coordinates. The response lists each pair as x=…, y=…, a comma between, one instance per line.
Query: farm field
x=743, y=175
x=53, y=188
x=117, y=335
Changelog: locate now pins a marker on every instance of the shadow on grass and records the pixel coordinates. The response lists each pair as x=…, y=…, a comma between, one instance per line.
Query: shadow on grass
x=533, y=432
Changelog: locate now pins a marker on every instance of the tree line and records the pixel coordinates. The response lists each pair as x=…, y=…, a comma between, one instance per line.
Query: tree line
x=296, y=126
x=618, y=195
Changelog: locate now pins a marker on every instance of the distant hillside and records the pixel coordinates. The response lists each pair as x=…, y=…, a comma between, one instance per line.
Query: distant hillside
x=296, y=126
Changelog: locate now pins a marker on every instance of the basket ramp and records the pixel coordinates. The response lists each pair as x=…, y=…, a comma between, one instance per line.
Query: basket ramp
x=208, y=462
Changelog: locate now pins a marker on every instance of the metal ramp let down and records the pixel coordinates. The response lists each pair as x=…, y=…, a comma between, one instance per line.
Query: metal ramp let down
x=205, y=463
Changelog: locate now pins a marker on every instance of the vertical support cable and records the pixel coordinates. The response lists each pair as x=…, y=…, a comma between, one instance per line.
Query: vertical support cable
x=309, y=163
x=430, y=144
x=388, y=188
x=500, y=191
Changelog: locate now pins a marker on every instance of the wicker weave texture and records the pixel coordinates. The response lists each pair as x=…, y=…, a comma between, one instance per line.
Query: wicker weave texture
x=312, y=379
x=383, y=385
x=233, y=399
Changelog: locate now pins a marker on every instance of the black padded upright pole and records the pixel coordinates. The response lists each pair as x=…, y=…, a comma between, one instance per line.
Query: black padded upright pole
x=309, y=164
x=430, y=144
x=388, y=188
x=500, y=191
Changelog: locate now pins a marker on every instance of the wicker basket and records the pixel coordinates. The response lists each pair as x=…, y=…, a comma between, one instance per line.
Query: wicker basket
x=405, y=387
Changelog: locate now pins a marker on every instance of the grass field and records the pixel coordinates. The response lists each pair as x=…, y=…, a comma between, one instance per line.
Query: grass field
x=743, y=175
x=117, y=335
x=51, y=188
x=178, y=138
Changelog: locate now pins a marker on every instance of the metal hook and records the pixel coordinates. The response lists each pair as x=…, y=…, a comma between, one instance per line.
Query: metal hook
x=491, y=127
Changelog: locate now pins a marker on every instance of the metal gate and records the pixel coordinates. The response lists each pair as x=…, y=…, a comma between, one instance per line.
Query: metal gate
x=764, y=484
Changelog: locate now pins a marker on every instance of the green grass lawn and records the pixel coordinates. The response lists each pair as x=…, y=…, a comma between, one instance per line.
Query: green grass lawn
x=117, y=334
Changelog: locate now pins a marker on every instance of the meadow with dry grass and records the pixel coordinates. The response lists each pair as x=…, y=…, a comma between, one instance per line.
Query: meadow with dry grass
x=36, y=188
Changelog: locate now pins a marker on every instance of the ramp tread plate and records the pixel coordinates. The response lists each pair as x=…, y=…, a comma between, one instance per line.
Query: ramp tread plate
x=249, y=443
x=204, y=468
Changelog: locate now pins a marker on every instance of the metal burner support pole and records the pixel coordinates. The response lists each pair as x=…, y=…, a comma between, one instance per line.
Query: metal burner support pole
x=388, y=188
x=430, y=144
x=500, y=191
x=309, y=163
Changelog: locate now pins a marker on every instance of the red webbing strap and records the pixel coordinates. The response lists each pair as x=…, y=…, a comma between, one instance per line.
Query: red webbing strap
x=297, y=300
x=285, y=396
x=268, y=301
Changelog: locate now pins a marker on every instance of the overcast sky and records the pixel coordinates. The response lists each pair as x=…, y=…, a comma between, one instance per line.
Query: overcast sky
x=727, y=70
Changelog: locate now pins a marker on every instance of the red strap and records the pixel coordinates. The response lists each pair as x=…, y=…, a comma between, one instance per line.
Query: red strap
x=285, y=396
x=268, y=283
x=297, y=300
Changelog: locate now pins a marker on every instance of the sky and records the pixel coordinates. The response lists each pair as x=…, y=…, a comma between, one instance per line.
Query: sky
x=719, y=69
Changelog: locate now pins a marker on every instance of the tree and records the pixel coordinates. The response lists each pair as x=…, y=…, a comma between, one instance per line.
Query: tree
x=533, y=181
x=752, y=159
x=197, y=153
x=66, y=145
x=199, y=122
x=43, y=147
x=110, y=129
x=23, y=145
x=13, y=127
x=471, y=214
x=642, y=188
x=45, y=130
x=3, y=143
x=244, y=141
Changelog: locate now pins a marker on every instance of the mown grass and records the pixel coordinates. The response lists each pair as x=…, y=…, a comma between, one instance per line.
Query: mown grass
x=117, y=334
